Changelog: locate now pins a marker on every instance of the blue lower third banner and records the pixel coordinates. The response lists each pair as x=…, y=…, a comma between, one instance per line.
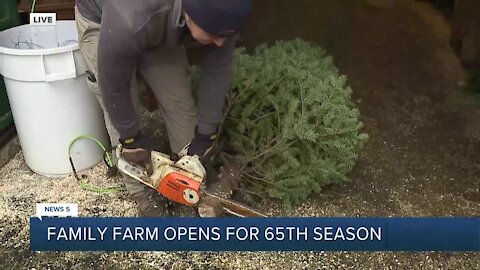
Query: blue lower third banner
x=255, y=234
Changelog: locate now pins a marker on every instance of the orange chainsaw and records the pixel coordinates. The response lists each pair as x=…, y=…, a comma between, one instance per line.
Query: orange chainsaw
x=181, y=181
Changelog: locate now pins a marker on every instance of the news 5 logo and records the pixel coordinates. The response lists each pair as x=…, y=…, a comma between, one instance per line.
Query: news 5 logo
x=57, y=210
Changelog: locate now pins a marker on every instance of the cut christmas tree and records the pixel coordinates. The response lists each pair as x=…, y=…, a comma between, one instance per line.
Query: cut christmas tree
x=290, y=122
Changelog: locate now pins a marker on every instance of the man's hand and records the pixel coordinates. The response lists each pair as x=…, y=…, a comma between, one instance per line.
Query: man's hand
x=205, y=146
x=137, y=150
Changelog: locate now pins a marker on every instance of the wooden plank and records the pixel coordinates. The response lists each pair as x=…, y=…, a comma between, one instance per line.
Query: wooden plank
x=48, y=7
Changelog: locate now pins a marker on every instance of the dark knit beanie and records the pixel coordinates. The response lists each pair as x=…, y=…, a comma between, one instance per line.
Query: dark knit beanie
x=218, y=17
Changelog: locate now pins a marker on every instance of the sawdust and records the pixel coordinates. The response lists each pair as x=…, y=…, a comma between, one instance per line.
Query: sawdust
x=20, y=189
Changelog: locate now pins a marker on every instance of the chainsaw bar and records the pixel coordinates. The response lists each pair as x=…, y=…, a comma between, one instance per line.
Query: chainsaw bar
x=229, y=206
x=235, y=208
x=135, y=172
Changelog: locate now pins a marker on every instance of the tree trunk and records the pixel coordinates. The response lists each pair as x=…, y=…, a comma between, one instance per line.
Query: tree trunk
x=225, y=182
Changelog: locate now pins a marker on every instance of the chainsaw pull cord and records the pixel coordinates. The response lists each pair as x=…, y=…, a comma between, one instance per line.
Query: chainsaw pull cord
x=107, y=158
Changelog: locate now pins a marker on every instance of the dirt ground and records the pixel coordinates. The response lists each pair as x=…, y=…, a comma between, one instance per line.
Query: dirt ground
x=422, y=157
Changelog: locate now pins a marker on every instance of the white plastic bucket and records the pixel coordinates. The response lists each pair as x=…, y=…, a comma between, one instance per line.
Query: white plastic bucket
x=44, y=74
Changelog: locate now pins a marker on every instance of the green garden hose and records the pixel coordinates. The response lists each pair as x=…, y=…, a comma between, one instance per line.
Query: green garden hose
x=107, y=157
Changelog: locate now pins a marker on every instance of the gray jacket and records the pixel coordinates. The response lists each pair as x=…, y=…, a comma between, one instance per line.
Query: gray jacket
x=129, y=27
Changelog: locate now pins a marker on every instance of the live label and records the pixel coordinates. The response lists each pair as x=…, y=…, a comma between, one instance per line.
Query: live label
x=43, y=19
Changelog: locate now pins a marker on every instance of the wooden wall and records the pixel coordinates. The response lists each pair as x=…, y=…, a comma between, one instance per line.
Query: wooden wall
x=63, y=8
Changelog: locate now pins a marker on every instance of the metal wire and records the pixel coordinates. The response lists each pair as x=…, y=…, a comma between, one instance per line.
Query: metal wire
x=24, y=41
x=33, y=5
x=68, y=42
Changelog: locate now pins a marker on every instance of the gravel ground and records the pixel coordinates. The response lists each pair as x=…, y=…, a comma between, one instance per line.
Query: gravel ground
x=20, y=189
x=422, y=158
